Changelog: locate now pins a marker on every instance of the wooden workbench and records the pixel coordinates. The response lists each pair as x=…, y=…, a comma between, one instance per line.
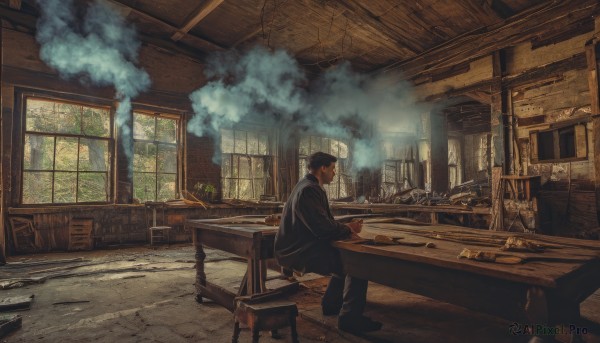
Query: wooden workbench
x=244, y=236
x=568, y=275
x=433, y=211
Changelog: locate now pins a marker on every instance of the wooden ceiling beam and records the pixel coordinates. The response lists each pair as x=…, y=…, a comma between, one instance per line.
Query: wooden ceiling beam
x=482, y=42
x=201, y=12
x=24, y=21
x=203, y=43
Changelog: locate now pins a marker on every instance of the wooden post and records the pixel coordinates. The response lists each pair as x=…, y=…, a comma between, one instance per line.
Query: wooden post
x=2, y=156
x=497, y=141
x=438, y=152
x=124, y=142
x=592, y=63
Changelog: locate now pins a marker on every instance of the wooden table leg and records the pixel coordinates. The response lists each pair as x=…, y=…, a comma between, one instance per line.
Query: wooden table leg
x=200, y=275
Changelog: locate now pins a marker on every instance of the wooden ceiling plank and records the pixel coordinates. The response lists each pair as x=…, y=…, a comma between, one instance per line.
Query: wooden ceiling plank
x=202, y=12
x=501, y=9
x=377, y=26
x=482, y=42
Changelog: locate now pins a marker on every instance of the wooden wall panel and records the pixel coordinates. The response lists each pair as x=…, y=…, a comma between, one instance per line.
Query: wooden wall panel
x=479, y=70
x=521, y=57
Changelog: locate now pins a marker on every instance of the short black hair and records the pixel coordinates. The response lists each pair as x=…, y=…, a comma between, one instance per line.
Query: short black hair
x=319, y=159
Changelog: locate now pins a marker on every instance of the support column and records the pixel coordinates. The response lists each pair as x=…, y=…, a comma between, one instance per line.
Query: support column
x=592, y=63
x=439, y=152
x=124, y=175
x=498, y=134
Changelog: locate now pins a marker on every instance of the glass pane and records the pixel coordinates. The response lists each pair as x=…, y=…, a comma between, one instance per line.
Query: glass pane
x=93, y=187
x=38, y=152
x=325, y=145
x=65, y=187
x=263, y=145
x=226, y=166
x=230, y=188
x=245, y=191
x=37, y=187
x=343, y=150
x=167, y=187
x=252, y=143
x=144, y=186
x=234, y=166
x=143, y=126
x=227, y=141
x=144, y=157
x=304, y=147
x=40, y=116
x=258, y=167
x=167, y=159
x=240, y=142
x=66, y=153
x=93, y=155
x=96, y=121
x=303, y=167
x=68, y=118
x=259, y=188
x=166, y=130
x=244, y=167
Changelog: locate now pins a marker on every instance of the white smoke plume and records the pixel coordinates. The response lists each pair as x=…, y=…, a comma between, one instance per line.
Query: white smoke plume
x=100, y=48
x=271, y=88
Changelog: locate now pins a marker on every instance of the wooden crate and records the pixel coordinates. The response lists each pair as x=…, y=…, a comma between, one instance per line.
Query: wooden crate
x=80, y=233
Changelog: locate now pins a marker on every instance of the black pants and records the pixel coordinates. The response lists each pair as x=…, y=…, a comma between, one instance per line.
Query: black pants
x=343, y=291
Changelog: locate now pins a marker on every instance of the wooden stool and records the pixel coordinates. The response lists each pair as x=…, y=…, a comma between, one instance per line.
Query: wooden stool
x=265, y=315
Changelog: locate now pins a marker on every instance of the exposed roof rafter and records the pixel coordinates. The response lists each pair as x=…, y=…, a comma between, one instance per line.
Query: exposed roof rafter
x=202, y=12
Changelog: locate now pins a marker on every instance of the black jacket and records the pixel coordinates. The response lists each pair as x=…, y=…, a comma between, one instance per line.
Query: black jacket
x=307, y=226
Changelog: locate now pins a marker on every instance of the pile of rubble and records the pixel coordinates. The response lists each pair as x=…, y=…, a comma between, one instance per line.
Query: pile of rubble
x=471, y=193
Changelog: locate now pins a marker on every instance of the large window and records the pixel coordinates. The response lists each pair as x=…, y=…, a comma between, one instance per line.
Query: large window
x=155, y=161
x=398, y=170
x=454, y=163
x=341, y=186
x=66, y=152
x=246, y=161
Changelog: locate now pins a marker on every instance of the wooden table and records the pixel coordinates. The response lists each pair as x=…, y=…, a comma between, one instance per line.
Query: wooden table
x=243, y=236
x=433, y=211
x=497, y=289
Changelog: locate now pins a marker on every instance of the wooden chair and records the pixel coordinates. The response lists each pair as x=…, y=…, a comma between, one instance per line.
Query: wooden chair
x=265, y=313
x=158, y=232
x=25, y=238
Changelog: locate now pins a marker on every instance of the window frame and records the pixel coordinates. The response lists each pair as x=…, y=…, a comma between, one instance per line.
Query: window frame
x=341, y=165
x=155, y=113
x=268, y=161
x=580, y=141
x=82, y=101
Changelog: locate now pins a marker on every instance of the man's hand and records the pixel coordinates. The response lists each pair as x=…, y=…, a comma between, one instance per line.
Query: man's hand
x=355, y=225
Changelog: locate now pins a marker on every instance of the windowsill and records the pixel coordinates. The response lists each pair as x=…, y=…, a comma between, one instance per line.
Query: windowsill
x=35, y=209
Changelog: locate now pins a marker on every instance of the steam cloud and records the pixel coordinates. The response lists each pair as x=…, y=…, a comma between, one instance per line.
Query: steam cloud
x=100, y=49
x=270, y=88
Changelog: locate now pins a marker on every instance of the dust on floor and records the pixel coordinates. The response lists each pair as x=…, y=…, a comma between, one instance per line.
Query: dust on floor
x=145, y=295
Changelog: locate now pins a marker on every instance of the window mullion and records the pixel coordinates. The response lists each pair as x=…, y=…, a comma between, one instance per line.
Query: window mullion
x=54, y=168
x=77, y=171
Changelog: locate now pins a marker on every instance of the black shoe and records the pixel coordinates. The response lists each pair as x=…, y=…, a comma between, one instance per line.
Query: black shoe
x=360, y=324
x=331, y=310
